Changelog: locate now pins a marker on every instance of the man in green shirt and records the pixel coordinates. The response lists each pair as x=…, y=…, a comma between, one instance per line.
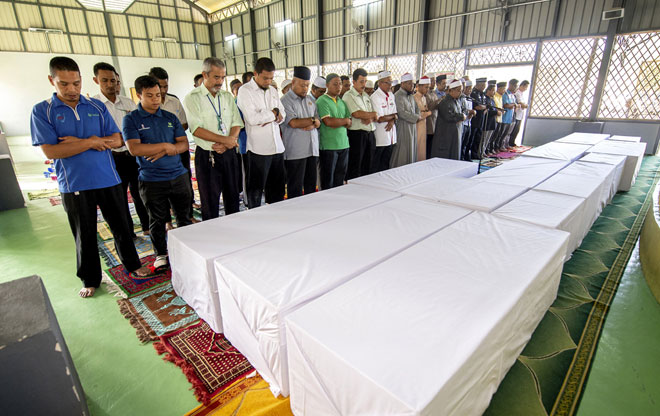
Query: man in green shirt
x=361, y=132
x=333, y=143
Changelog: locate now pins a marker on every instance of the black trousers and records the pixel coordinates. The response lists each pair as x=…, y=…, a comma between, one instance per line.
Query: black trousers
x=159, y=197
x=514, y=133
x=127, y=168
x=265, y=173
x=502, y=139
x=216, y=174
x=333, y=165
x=475, y=142
x=466, y=145
x=362, y=145
x=429, y=142
x=382, y=157
x=185, y=161
x=80, y=208
x=494, y=145
x=301, y=176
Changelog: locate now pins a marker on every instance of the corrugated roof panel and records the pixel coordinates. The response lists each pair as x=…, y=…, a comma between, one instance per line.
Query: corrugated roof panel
x=167, y=2
x=332, y=5
x=240, y=65
x=153, y=28
x=189, y=51
x=75, y=19
x=137, y=27
x=202, y=33
x=225, y=30
x=119, y=24
x=10, y=40
x=143, y=9
x=53, y=18
x=381, y=43
x=171, y=29
x=123, y=46
x=28, y=15
x=406, y=40
x=141, y=47
x=278, y=60
x=96, y=23
x=247, y=43
x=293, y=9
x=81, y=45
x=184, y=14
x=35, y=42
x=309, y=8
x=381, y=14
x=311, y=54
x=408, y=11
x=263, y=42
x=59, y=43
x=238, y=46
x=204, y=51
x=276, y=12
x=186, y=31
x=173, y=50
x=167, y=12
x=101, y=45
x=293, y=33
x=157, y=49
x=295, y=56
x=198, y=17
x=7, y=18
x=237, y=25
x=261, y=18
x=246, y=22
x=180, y=3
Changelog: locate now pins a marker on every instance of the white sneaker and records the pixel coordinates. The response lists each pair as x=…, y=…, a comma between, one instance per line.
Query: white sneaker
x=161, y=262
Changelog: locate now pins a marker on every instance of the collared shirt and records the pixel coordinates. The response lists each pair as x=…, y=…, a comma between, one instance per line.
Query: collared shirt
x=384, y=105
x=332, y=138
x=358, y=102
x=118, y=109
x=498, y=103
x=520, y=113
x=468, y=106
x=91, y=169
x=202, y=111
x=160, y=127
x=508, y=98
x=174, y=106
x=298, y=143
x=263, y=132
x=440, y=94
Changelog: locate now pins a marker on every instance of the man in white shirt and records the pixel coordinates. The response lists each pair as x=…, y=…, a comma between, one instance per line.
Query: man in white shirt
x=521, y=108
x=127, y=168
x=263, y=113
x=382, y=101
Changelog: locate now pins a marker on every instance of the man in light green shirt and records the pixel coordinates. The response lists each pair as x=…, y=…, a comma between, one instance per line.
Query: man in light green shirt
x=214, y=121
x=361, y=132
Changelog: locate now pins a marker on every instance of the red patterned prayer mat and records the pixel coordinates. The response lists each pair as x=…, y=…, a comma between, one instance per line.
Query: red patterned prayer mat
x=156, y=312
x=208, y=360
x=126, y=285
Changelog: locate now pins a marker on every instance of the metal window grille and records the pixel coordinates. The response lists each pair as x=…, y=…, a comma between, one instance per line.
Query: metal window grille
x=340, y=68
x=372, y=66
x=399, y=65
x=632, y=87
x=566, y=77
x=508, y=54
x=445, y=62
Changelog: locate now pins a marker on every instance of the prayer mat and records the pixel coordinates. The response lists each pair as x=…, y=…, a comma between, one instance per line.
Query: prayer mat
x=549, y=376
x=123, y=284
x=109, y=254
x=103, y=230
x=507, y=155
x=208, y=360
x=521, y=149
x=156, y=312
x=247, y=397
x=42, y=194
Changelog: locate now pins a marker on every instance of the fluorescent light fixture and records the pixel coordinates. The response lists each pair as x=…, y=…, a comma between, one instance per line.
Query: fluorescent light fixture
x=283, y=23
x=171, y=40
x=231, y=37
x=44, y=30
x=357, y=3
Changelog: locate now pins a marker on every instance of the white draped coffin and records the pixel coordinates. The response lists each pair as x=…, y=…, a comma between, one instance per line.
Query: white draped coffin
x=617, y=161
x=523, y=171
x=415, y=173
x=634, y=153
x=431, y=331
x=604, y=171
x=192, y=249
x=260, y=286
x=561, y=151
x=583, y=138
x=633, y=139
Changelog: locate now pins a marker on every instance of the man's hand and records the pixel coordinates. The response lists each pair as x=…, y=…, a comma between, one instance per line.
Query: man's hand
x=349, y=123
x=390, y=125
x=317, y=123
x=499, y=113
x=68, y=139
x=309, y=128
x=219, y=148
x=98, y=143
x=170, y=149
x=157, y=156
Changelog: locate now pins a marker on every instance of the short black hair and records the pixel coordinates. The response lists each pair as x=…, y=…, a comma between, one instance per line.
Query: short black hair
x=513, y=81
x=264, y=64
x=145, y=81
x=490, y=87
x=197, y=77
x=62, y=63
x=234, y=82
x=358, y=73
x=158, y=73
x=344, y=78
x=103, y=66
x=525, y=82
x=246, y=77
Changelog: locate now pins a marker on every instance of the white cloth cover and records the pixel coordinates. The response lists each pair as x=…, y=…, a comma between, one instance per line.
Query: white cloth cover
x=634, y=153
x=551, y=210
x=415, y=173
x=192, y=249
x=583, y=138
x=523, y=171
x=430, y=331
x=604, y=171
x=634, y=139
x=260, y=286
x=466, y=193
x=617, y=160
x=555, y=150
x=589, y=188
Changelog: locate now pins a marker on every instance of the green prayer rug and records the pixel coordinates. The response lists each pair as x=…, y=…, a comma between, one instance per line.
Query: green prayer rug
x=549, y=376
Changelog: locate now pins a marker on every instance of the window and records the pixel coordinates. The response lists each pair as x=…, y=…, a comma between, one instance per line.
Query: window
x=445, y=62
x=519, y=53
x=399, y=65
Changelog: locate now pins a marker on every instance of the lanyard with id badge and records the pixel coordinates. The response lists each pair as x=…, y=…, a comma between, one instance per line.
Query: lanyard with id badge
x=221, y=124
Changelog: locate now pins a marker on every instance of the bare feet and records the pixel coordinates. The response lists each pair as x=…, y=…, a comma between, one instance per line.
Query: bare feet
x=87, y=292
x=168, y=226
x=142, y=271
x=194, y=220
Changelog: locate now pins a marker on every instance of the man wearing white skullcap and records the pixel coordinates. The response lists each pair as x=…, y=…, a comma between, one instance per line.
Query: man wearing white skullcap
x=369, y=88
x=396, y=84
x=420, y=98
x=318, y=88
x=382, y=101
x=286, y=85
x=405, y=151
x=448, y=129
x=468, y=110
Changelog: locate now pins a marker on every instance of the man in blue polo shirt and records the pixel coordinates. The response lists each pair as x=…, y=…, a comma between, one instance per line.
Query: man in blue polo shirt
x=157, y=138
x=78, y=133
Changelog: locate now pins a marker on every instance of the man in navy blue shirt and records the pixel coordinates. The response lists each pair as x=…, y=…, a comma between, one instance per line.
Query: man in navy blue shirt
x=78, y=133
x=157, y=138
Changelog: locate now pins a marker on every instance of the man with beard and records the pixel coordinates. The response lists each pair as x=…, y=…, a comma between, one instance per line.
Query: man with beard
x=406, y=126
x=447, y=138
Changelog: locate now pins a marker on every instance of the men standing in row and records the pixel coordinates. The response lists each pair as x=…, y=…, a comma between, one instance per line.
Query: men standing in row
x=406, y=127
x=215, y=124
x=447, y=138
x=384, y=104
x=478, y=121
x=157, y=138
x=118, y=106
x=300, y=135
x=420, y=99
x=467, y=124
x=520, y=112
x=361, y=138
x=494, y=145
x=432, y=102
x=78, y=133
x=509, y=105
x=263, y=113
x=491, y=120
x=335, y=118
